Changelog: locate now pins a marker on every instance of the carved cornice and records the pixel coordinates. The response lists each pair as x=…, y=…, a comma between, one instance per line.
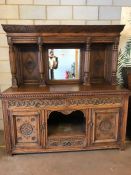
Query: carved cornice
x=62, y=28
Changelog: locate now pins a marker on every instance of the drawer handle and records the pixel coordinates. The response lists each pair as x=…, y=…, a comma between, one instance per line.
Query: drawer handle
x=43, y=126
x=90, y=124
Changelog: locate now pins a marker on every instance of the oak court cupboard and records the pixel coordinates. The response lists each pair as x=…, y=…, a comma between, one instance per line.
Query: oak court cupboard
x=64, y=94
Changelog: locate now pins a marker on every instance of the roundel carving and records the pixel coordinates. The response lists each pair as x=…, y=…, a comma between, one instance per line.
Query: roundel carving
x=26, y=129
x=105, y=125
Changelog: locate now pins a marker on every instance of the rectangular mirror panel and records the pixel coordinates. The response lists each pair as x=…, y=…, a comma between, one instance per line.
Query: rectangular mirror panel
x=64, y=64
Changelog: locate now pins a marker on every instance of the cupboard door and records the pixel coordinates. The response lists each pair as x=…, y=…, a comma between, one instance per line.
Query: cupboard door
x=105, y=126
x=25, y=128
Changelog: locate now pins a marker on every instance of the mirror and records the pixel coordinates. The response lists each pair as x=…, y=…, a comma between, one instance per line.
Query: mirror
x=64, y=64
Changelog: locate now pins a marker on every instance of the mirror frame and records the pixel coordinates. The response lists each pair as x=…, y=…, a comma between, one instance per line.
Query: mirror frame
x=63, y=46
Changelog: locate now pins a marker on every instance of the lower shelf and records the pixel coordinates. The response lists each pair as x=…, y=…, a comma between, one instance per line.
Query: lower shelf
x=60, y=124
x=66, y=129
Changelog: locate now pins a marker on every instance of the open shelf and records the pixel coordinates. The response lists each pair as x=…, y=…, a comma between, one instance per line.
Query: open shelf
x=60, y=124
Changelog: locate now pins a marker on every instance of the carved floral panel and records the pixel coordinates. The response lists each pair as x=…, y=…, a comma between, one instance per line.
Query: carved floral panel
x=26, y=128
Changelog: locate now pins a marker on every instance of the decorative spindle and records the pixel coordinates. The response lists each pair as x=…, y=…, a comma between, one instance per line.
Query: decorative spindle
x=12, y=57
x=87, y=63
x=40, y=62
x=114, y=61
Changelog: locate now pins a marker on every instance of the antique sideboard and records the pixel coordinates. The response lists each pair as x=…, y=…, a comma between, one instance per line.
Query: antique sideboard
x=45, y=115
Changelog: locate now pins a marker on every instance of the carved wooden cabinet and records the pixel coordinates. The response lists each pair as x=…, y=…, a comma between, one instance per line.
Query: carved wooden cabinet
x=85, y=110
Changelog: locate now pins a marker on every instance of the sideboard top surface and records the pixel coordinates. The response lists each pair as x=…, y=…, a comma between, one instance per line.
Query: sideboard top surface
x=96, y=89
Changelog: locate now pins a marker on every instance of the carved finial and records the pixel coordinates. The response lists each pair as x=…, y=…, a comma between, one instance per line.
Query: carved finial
x=88, y=43
x=116, y=40
x=9, y=39
x=116, y=43
x=88, y=40
x=40, y=40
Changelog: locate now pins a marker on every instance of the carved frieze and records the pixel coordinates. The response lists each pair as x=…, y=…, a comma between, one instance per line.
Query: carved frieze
x=66, y=112
x=64, y=102
x=36, y=103
x=95, y=101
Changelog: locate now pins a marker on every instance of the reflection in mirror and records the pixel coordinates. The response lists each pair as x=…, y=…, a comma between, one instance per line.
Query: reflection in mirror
x=64, y=64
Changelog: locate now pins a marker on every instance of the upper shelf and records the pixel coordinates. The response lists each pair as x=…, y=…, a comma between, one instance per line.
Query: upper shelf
x=62, y=28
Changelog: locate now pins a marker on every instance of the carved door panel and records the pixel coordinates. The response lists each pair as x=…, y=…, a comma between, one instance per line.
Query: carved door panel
x=105, y=125
x=25, y=129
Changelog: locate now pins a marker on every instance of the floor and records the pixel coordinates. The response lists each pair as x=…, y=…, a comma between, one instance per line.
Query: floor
x=102, y=162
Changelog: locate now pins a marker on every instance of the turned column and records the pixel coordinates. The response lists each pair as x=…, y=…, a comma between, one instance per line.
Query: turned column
x=12, y=58
x=87, y=63
x=114, y=61
x=40, y=62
